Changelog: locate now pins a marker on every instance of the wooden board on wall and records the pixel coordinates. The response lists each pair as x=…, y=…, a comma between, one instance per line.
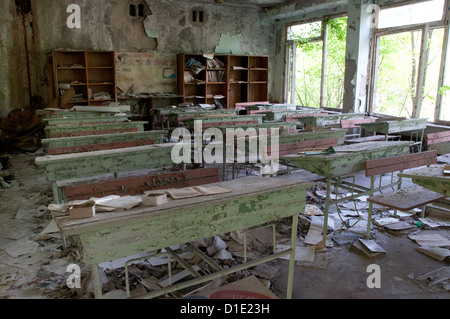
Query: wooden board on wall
x=146, y=72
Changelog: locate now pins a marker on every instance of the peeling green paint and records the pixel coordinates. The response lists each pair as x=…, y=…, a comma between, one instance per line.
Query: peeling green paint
x=229, y=44
x=151, y=33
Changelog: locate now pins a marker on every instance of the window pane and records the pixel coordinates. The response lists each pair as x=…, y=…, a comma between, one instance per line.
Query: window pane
x=309, y=74
x=445, y=91
x=423, y=12
x=397, y=69
x=432, y=68
x=335, y=72
x=305, y=31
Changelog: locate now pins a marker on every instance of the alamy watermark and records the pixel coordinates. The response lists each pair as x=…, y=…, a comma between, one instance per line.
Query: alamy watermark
x=374, y=279
x=74, y=280
x=231, y=149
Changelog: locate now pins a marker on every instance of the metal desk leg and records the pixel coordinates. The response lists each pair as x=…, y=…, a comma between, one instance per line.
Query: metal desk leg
x=369, y=217
x=96, y=281
x=327, y=208
x=292, y=259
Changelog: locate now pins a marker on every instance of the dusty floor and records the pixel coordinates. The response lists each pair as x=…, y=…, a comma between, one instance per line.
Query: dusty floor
x=33, y=263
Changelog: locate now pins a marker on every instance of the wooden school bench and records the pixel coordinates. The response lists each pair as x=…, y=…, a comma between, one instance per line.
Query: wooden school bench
x=439, y=141
x=403, y=199
x=56, y=131
x=83, y=165
x=89, y=143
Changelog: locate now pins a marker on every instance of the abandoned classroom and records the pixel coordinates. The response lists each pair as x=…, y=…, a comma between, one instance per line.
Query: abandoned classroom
x=224, y=149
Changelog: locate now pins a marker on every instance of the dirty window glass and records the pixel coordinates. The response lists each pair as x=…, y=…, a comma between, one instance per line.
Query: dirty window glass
x=424, y=12
x=305, y=31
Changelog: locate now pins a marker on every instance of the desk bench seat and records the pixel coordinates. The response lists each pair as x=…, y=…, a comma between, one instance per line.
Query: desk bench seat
x=402, y=199
x=57, y=131
x=406, y=198
x=439, y=141
x=83, y=165
x=139, y=184
x=90, y=143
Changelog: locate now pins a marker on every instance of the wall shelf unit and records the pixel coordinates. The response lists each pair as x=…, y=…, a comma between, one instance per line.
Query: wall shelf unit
x=227, y=79
x=91, y=74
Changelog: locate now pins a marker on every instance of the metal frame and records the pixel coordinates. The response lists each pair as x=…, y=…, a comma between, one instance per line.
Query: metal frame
x=198, y=279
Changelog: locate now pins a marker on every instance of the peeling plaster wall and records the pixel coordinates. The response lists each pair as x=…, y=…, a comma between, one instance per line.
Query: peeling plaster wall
x=171, y=22
x=14, y=86
x=107, y=25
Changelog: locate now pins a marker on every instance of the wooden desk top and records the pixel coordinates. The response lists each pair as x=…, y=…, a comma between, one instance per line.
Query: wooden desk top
x=432, y=178
x=389, y=127
x=253, y=201
x=349, y=158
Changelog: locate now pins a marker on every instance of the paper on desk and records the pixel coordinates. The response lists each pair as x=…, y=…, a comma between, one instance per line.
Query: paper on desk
x=196, y=191
x=180, y=193
x=118, y=204
x=210, y=190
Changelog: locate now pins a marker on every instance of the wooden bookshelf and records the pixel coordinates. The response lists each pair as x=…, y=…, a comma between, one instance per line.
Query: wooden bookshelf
x=91, y=74
x=235, y=78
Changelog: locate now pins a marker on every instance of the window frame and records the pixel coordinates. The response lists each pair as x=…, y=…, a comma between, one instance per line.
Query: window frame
x=425, y=28
x=291, y=50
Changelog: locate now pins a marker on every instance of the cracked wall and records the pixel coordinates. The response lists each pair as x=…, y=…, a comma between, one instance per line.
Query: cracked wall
x=166, y=29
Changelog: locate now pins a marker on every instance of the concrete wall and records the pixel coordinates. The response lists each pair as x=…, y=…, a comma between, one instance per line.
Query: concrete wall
x=14, y=84
x=166, y=29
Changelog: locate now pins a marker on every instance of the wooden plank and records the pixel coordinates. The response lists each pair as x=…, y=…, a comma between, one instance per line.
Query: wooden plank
x=294, y=118
x=293, y=148
x=140, y=184
x=67, y=166
x=399, y=163
x=93, y=129
x=236, y=123
x=353, y=123
x=97, y=147
x=435, y=138
x=372, y=138
x=406, y=198
x=156, y=136
x=95, y=132
x=329, y=119
x=86, y=120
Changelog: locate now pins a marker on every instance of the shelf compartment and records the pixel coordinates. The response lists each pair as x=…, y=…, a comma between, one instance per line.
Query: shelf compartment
x=100, y=59
x=258, y=92
x=258, y=62
x=258, y=76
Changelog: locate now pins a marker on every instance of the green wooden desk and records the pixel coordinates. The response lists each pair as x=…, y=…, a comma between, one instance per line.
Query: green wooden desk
x=280, y=115
x=329, y=119
x=80, y=165
x=300, y=136
x=431, y=177
x=216, y=121
x=83, y=142
x=253, y=201
x=93, y=129
x=178, y=118
x=392, y=127
x=83, y=120
x=347, y=159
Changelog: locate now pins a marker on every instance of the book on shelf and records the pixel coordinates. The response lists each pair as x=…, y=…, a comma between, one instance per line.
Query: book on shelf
x=216, y=76
x=102, y=95
x=214, y=64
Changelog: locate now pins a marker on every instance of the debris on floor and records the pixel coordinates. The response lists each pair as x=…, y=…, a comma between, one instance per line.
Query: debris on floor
x=33, y=263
